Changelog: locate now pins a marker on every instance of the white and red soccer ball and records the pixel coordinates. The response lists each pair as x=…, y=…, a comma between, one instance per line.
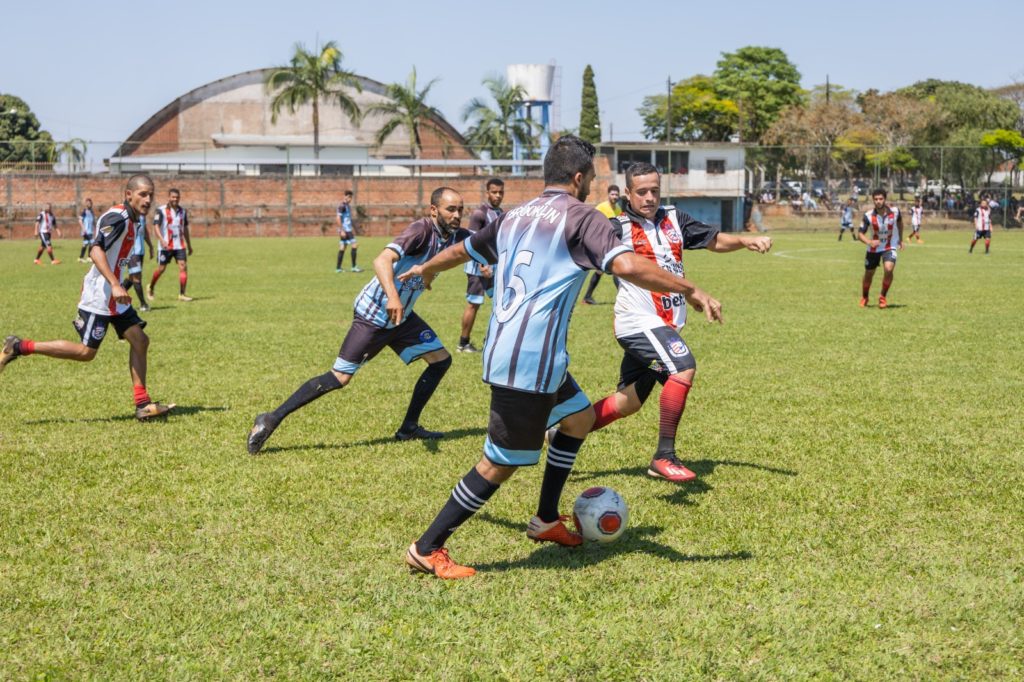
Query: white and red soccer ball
x=600, y=514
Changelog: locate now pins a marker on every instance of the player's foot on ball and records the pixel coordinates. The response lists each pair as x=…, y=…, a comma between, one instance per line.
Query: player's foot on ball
x=262, y=427
x=467, y=348
x=882, y=303
x=9, y=353
x=184, y=298
x=355, y=269
x=863, y=302
x=556, y=532
x=671, y=469
x=152, y=410
x=149, y=292
x=437, y=563
x=417, y=433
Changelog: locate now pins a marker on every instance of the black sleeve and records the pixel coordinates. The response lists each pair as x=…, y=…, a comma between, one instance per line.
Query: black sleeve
x=483, y=244
x=158, y=218
x=696, y=235
x=109, y=230
x=414, y=239
x=477, y=220
x=184, y=218
x=594, y=242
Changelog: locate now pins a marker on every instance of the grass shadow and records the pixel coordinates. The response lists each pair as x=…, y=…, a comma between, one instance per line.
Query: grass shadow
x=636, y=540
x=430, y=445
x=180, y=410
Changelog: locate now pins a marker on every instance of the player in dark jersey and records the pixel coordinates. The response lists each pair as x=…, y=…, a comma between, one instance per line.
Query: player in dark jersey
x=479, y=278
x=384, y=317
x=541, y=252
x=104, y=302
x=346, y=232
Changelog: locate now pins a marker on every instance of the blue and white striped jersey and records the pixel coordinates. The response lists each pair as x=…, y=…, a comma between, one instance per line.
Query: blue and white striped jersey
x=542, y=251
x=478, y=220
x=420, y=242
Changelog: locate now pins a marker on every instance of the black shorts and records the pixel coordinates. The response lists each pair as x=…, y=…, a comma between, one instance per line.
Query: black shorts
x=871, y=260
x=364, y=340
x=515, y=432
x=346, y=239
x=92, y=327
x=180, y=255
x=983, y=234
x=478, y=286
x=659, y=353
x=44, y=239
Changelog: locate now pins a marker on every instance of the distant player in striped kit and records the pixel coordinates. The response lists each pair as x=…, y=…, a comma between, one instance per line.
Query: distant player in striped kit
x=982, y=224
x=346, y=233
x=846, y=214
x=104, y=302
x=916, y=221
x=87, y=225
x=135, y=261
x=46, y=224
x=384, y=318
x=541, y=252
x=881, y=230
x=479, y=278
x=170, y=225
x=647, y=323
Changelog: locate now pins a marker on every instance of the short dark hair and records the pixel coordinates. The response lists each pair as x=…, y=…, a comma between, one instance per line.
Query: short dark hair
x=879, y=190
x=491, y=182
x=174, y=190
x=614, y=188
x=138, y=180
x=637, y=169
x=568, y=156
x=348, y=193
x=435, y=196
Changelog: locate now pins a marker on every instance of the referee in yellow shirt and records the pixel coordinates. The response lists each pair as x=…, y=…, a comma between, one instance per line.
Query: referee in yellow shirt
x=610, y=208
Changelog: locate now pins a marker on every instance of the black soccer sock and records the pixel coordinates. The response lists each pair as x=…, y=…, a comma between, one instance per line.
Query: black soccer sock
x=594, y=279
x=341, y=255
x=468, y=496
x=354, y=256
x=425, y=387
x=307, y=393
x=137, y=285
x=82, y=254
x=463, y=340
x=562, y=453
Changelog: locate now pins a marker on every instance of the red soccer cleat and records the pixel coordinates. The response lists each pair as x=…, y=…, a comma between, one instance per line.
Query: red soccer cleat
x=671, y=469
x=437, y=563
x=556, y=532
x=863, y=301
x=882, y=303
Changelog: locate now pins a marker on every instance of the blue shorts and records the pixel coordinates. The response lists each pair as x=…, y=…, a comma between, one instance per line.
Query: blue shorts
x=515, y=433
x=347, y=239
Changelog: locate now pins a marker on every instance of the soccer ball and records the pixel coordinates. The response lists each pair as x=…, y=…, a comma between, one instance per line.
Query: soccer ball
x=600, y=514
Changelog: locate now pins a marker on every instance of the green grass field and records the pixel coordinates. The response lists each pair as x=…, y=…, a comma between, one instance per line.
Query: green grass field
x=858, y=513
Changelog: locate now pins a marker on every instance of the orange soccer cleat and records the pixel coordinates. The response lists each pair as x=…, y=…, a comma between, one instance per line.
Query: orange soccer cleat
x=671, y=469
x=863, y=302
x=437, y=563
x=556, y=532
x=882, y=303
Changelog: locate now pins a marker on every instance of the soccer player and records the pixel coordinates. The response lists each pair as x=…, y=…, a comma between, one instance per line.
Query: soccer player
x=46, y=223
x=982, y=224
x=104, y=301
x=647, y=321
x=609, y=208
x=384, y=318
x=170, y=226
x=886, y=225
x=541, y=252
x=846, y=214
x=916, y=220
x=346, y=232
x=480, y=280
x=87, y=225
x=135, y=261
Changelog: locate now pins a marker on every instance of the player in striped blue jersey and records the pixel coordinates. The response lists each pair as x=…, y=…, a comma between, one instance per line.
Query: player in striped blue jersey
x=384, y=317
x=541, y=252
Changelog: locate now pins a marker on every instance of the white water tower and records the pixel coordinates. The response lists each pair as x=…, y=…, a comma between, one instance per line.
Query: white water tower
x=538, y=81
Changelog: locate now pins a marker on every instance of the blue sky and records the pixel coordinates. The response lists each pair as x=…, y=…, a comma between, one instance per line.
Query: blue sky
x=99, y=70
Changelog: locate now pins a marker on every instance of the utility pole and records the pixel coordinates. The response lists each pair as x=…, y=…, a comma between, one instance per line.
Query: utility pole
x=668, y=125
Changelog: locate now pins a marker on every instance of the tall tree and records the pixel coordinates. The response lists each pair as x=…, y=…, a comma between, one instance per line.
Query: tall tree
x=698, y=112
x=899, y=120
x=590, y=118
x=961, y=106
x=494, y=129
x=22, y=142
x=811, y=132
x=73, y=153
x=407, y=108
x=1004, y=145
x=762, y=82
x=313, y=78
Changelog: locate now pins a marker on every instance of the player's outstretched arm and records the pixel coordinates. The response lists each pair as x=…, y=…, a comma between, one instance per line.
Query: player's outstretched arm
x=724, y=243
x=643, y=273
x=446, y=260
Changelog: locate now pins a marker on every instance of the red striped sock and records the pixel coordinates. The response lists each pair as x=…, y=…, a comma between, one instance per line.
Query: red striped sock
x=672, y=404
x=606, y=412
x=183, y=280
x=141, y=396
x=26, y=347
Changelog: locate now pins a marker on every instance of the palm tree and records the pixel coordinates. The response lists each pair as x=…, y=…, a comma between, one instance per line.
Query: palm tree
x=311, y=78
x=407, y=108
x=73, y=151
x=497, y=128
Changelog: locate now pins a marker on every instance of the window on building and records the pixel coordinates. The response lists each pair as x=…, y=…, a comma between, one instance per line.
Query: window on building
x=628, y=157
x=679, y=162
x=716, y=166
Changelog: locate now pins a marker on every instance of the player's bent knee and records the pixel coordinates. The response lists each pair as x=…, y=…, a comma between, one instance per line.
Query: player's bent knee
x=86, y=354
x=578, y=425
x=494, y=473
x=342, y=378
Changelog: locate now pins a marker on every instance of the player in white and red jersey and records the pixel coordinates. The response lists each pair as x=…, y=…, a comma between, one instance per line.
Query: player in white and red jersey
x=982, y=224
x=881, y=230
x=647, y=322
x=104, y=301
x=46, y=224
x=170, y=227
x=916, y=220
